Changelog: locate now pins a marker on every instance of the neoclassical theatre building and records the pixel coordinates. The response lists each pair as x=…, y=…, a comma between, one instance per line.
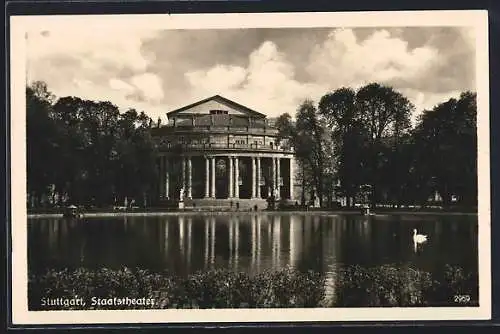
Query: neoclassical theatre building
x=216, y=152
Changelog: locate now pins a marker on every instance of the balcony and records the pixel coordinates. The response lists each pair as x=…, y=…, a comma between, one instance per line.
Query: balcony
x=182, y=129
x=222, y=146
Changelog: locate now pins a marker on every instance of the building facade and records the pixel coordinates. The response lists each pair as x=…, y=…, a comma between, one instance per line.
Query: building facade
x=216, y=152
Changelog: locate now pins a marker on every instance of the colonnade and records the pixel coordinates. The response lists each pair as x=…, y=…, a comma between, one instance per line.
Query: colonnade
x=233, y=175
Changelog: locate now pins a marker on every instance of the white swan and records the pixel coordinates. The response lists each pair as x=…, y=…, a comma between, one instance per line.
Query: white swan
x=418, y=238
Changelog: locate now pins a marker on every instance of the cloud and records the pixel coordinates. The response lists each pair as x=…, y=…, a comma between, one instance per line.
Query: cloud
x=343, y=60
x=270, y=70
x=217, y=78
x=150, y=85
x=120, y=85
x=94, y=48
x=425, y=100
x=267, y=83
x=107, y=65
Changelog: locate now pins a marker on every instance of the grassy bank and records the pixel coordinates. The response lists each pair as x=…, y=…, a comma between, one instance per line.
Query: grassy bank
x=356, y=286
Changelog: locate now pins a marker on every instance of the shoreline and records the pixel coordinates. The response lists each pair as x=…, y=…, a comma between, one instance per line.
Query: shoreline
x=211, y=213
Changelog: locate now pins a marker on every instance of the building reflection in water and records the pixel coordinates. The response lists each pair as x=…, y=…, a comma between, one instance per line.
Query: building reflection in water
x=212, y=242
x=276, y=241
x=253, y=241
x=189, y=240
x=53, y=234
x=165, y=242
x=207, y=243
x=233, y=242
x=295, y=240
x=237, y=242
x=181, y=235
x=259, y=245
x=231, y=239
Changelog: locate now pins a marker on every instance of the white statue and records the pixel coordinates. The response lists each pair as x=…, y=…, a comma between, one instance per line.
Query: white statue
x=181, y=194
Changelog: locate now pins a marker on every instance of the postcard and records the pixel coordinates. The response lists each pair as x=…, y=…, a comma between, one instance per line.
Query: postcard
x=257, y=167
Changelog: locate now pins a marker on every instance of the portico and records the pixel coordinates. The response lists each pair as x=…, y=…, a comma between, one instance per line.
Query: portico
x=216, y=149
x=223, y=176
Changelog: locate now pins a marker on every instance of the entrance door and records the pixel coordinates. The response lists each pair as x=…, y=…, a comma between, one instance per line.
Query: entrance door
x=221, y=175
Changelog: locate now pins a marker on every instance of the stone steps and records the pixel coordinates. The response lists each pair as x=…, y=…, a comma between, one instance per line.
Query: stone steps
x=221, y=204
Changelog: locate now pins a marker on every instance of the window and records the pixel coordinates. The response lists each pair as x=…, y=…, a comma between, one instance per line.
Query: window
x=218, y=112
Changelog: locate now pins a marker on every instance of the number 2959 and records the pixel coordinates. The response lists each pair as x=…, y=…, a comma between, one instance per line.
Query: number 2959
x=462, y=299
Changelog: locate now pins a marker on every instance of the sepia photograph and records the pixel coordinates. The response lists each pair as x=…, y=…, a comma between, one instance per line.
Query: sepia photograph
x=250, y=167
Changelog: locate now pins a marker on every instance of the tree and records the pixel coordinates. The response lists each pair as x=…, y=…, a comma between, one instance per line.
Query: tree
x=342, y=116
x=446, y=149
x=311, y=145
x=385, y=114
x=87, y=151
x=286, y=129
x=41, y=145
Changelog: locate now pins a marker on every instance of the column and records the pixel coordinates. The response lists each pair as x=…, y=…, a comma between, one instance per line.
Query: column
x=190, y=178
x=167, y=178
x=253, y=177
x=207, y=177
x=236, y=178
x=183, y=181
x=259, y=177
x=273, y=189
x=278, y=177
x=160, y=172
x=212, y=186
x=230, y=176
x=291, y=179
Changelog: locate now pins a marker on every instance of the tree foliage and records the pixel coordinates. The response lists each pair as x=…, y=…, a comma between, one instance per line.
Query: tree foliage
x=446, y=148
x=86, y=152
x=347, y=130
x=365, y=137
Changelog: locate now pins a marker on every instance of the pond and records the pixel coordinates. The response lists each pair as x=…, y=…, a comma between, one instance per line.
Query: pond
x=252, y=243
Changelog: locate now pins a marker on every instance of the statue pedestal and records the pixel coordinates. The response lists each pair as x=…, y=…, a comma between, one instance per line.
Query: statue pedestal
x=181, y=198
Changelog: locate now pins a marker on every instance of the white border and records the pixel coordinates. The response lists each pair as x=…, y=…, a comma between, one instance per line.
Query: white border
x=19, y=26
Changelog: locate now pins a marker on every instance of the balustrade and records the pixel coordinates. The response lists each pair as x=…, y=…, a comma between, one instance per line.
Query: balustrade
x=204, y=146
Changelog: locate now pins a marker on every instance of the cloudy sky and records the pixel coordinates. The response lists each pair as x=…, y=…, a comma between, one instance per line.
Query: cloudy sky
x=270, y=70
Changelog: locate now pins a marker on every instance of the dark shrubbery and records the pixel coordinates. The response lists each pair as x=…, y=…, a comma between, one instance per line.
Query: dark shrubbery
x=210, y=289
x=356, y=286
x=391, y=286
x=383, y=286
x=456, y=282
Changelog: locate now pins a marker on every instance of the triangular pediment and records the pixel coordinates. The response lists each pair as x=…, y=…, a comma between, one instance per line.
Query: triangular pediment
x=215, y=103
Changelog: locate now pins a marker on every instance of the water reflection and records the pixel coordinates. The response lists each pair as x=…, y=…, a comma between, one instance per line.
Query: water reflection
x=251, y=243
